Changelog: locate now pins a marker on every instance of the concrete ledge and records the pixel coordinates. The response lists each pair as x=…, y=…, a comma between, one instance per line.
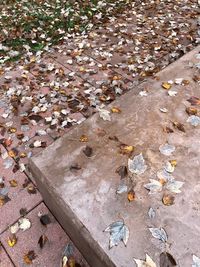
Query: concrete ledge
x=85, y=201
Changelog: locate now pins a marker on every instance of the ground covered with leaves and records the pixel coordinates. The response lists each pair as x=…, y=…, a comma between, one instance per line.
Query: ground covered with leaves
x=61, y=61
x=34, y=25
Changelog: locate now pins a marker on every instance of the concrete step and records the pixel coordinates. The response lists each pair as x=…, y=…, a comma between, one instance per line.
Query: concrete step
x=84, y=198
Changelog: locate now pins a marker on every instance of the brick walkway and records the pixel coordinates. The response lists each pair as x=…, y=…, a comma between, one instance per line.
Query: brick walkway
x=42, y=98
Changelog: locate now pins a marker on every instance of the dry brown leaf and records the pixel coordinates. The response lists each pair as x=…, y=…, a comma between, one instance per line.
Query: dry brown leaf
x=71, y=262
x=13, y=183
x=31, y=189
x=191, y=111
x=88, y=151
x=12, y=153
x=126, y=149
x=131, y=195
x=29, y=257
x=168, y=199
x=195, y=101
x=83, y=138
x=42, y=240
x=179, y=126
x=115, y=110
x=168, y=130
x=166, y=85
x=173, y=162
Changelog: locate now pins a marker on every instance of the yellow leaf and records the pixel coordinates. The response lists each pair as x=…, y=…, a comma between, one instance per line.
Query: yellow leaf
x=83, y=138
x=115, y=110
x=12, y=240
x=126, y=149
x=166, y=85
x=173, y=162
x=13, y=183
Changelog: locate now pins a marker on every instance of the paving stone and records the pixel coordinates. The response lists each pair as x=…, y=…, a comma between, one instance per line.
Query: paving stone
x=51, y=253
x=14, y=185
x=85, y=201
x=4, y=259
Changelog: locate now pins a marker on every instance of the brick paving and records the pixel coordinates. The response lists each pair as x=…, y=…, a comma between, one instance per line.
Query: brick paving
x=43, y=97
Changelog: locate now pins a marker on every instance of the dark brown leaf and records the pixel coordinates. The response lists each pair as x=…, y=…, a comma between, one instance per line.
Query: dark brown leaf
x=167, y=260
x=75, y=167
x=42, y=240
x=168, y=130
x=179, y=126
x=23, y=211
x=122, y=171
x=194, y=100
x=88, y=151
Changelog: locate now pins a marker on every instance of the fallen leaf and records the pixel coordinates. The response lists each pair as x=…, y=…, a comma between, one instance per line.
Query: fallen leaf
x=173, y=162
x=167, y=149
x=179, y=126
x=137, y=165
x=45, y=219
x=14, y=228
x=194, y=120
x=24, y=224
x=163, y=110
x=168, y=200
x=12, y=240
x=122, y=188
x=105, y=114
x=154, y=186
x=166, y=85
x=174, y=186
x=191, y=111
x=172, y=93
x=83, y=138
x=115, y=110
x=29, y=257
x=169, y=167
x=147, y=263
x=151, y=213
x=31, y=189
x=88, y=151
x=131, y=195
x=193, y=100
x=126, y=149
x=159, y=233
x=167, y=260
x=42, y=241
x=168, y=130
x=196, y=261
x=122, y=171
x=118, y=232
x=13, y=183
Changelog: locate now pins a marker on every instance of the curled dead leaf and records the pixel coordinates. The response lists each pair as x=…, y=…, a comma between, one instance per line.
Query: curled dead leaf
x=166, y=85
x=191, y=111
x=13, y=183
x=122, y=171
x=131, y=195
x=42, y=241
x=179, y=126
x=168, y=199
x=83, y=138
x=193, y=100
x=115, y=110
x=126, y=149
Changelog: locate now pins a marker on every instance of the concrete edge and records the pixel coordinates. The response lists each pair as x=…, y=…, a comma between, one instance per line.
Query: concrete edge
x=90, y=249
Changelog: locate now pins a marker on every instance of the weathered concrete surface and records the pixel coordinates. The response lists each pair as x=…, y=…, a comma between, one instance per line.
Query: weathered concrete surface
x=85, y=201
